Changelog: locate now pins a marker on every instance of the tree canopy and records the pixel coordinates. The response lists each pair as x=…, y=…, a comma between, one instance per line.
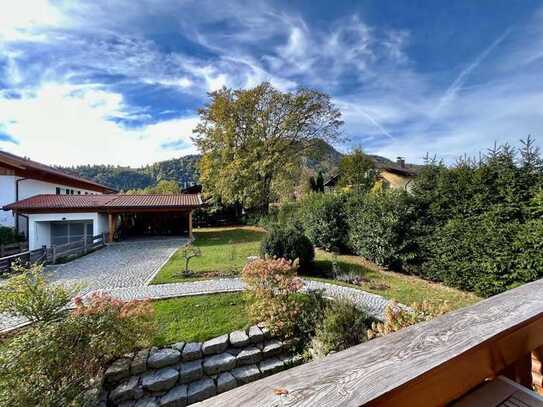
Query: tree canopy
x=356, y=170
x=252, y=140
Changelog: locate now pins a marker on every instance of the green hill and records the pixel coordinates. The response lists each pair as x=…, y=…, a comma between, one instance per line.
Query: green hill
x=320, y=157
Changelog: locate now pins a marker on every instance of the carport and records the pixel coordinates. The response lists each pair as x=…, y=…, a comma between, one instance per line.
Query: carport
x=118, y=216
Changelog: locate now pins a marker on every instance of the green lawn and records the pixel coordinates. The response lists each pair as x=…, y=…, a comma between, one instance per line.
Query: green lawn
x=224, y=251
x=199, y=318
x=403, y=288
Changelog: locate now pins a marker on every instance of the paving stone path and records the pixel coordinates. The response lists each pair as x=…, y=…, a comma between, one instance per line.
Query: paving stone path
x=124, y=271
x=375, y=304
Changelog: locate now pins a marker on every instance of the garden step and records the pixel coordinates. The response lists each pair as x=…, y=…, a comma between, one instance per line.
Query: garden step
x=215, y=345
x=176, y=397
x=158, y=380
x=127, y=390
x=192, y=351
x=139, y=363
x=219, y=363
x=225, y=382
x=272, y=348
x=163, y=357
x=201, y=390
x=147, y=402
x=239, y=339
x=190, y=371
x=255, y=334
x=246, y=374
x=118, y=370
x=249, y=356
x=270, y=366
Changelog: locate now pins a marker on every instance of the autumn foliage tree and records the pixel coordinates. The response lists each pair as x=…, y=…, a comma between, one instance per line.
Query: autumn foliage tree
x=252, y=140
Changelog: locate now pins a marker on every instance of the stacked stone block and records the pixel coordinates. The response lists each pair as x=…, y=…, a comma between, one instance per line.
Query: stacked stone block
x=185, y=373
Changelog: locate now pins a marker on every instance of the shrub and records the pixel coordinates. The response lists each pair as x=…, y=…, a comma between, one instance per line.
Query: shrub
x=29, y=295
x=528, y=249
x=60, y=362
x=475, y=253
x=397, y=317
x=313, y=305
x=343, y=325
x=272, y=285
x=381, y=228
x=289, y=243
x=324, y=221
x=8, y=235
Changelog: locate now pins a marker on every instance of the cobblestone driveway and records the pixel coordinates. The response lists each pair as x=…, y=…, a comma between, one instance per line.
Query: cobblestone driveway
x=119, y=265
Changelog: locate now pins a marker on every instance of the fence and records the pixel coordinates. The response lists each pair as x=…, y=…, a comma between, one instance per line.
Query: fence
x=52, y=254
x=13, y=248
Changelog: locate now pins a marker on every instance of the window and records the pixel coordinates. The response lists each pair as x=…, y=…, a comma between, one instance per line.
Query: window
x=67, y=191
x=58, y=191
x=78, y=192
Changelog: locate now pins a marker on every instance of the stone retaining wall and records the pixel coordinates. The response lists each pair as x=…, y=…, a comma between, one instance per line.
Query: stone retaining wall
x=185, y=373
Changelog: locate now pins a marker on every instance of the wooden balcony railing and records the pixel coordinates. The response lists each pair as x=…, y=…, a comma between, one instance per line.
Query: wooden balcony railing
x=428, y=364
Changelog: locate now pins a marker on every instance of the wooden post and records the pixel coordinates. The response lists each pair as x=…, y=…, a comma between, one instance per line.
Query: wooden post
x=520, y=371
x=190, y=225
x=104, y=238
x=537, y=369
x=111, y=224
x=2, y=250
x=54, y=254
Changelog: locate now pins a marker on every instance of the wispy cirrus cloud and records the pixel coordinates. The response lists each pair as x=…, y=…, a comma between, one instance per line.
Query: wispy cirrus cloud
x=130, y=75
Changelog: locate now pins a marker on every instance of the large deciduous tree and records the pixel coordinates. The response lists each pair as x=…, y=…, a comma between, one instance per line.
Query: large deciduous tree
x=252, y=140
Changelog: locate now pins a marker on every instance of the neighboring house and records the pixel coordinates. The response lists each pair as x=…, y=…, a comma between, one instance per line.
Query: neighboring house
x=51, y=207
x=398, y=176
x=59, y=219
x=22, y=178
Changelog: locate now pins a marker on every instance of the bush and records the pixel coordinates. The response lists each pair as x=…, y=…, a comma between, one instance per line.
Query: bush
x=28, y=294
x=324, y=221
x=344, y=325
x=381, y=228
x=475, y=253
x=397, y=317
x=273, y=286
x=288, y=243
x=8, y=235
x=60, y=362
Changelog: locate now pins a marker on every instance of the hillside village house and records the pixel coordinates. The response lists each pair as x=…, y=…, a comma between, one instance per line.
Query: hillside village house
x=398, y=176
x=51, y=207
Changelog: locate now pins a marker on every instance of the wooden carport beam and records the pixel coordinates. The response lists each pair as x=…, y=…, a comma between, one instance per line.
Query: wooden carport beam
x=190, y=225
x=112, y=225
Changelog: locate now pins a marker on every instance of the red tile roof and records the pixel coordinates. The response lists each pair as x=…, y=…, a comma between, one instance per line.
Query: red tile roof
x=105, y=202
x=36, y=169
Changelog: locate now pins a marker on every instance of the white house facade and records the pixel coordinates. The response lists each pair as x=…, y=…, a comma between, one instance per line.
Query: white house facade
x=21, y=178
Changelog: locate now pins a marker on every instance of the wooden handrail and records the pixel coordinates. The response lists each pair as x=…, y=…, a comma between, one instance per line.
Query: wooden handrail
x=428, y=364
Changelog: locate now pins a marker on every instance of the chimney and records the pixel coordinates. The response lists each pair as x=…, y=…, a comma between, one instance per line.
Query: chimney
x=401, y=162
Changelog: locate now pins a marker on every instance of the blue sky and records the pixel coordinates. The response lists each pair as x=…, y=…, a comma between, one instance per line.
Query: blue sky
x=120, y=82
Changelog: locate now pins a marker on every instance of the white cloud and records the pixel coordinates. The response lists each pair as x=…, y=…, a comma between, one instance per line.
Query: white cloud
x=23, y=19
x=69, y=125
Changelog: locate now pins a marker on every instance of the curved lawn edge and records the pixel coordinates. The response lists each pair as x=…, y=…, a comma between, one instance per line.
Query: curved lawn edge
x=373, y=303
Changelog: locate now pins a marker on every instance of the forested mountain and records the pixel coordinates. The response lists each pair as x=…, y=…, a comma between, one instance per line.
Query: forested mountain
x=321, y=157
x=183, y=170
